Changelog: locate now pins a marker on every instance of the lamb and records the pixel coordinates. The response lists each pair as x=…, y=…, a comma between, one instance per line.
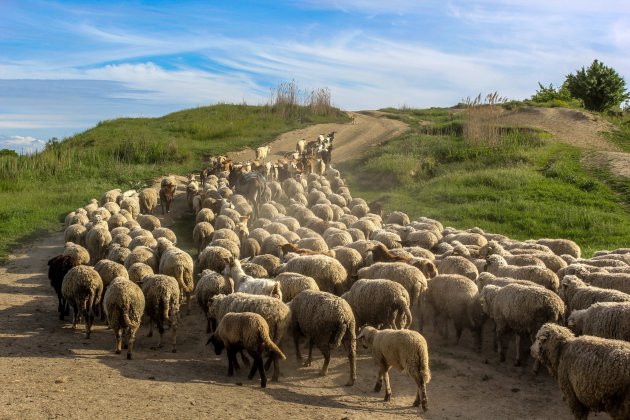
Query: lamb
x=276, y=313
x=124, y=305
x=118, y=253
x=499, y=267
x=248, y=284
x=520, y=309
x=328, y=273
x=58, y=268
x=295, y=249
x=593, y=373
x=262, y=152
x=245, y=331
x=406, y=351
x=161, y=293
x=82, y=289
x=204, y=215
x=132, y=205
x=486, y=278
x=148, y=198
x=254, y=270
x=579, y=295
x=457, y=298
x=142, y=240
x=326, y=321
x=604, y=319
x=202, y=235
x=379, y=303
x=350, y=259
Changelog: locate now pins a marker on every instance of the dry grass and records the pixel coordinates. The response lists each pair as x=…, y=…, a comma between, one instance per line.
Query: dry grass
x=289, y=101
x=481, y=124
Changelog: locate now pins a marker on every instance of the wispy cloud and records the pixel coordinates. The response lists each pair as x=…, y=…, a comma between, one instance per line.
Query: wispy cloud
x=126, y=59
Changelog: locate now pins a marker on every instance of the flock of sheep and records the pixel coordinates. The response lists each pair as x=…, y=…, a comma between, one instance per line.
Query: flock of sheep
x=320, y=264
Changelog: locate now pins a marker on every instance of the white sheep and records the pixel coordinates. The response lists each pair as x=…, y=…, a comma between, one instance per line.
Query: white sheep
x=82, y=289
x=593, y=373
x=326, y=321
x=404, y=350
x=124, y=305
x=248, y=284
x=379, y=302
x=604, y=319
x=161, y=293
x=262, y=152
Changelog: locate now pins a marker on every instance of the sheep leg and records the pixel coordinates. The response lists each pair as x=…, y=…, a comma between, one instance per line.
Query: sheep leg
x=518, y=361
x=263, y=377
x=388, y=388
x=252, y=371
x=298, y=354
x=245, y=358
x=130, y=342
x=326, y=352
x=118, y=334
x=352, y=359
x=458, y=333
x=421, y=396
x=89, y=320
x=310, y=353
x=75, y=315
x=231, y=354
x=150, y=334
x=174, y=328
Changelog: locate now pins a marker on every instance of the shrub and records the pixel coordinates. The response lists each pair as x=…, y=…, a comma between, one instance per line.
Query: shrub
x=599, y=87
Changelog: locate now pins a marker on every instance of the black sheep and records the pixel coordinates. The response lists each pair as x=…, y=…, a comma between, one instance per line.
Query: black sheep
x=58, y=268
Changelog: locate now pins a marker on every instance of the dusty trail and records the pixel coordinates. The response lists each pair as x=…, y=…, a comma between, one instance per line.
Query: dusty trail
x=48, y=370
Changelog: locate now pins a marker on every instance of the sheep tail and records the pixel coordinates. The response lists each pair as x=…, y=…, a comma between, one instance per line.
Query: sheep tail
x=423, y=366
x=164, y=306
x=405, y=308
x=341, y=332
x=271, y=346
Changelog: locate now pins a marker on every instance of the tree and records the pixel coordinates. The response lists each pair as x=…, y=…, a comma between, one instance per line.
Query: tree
x=599, y=87
x=8, y=152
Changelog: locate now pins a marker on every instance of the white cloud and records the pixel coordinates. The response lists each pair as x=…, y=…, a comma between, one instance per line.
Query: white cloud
x=22, y=144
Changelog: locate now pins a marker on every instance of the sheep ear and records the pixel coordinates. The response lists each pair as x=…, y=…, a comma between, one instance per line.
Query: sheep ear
x=361, y=334
x=246, y=259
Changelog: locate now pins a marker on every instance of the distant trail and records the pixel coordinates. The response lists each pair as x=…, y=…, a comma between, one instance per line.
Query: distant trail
x=351, y=140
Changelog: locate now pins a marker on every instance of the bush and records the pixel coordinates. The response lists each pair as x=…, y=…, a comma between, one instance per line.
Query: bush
x=547, y=94
x=599, y=87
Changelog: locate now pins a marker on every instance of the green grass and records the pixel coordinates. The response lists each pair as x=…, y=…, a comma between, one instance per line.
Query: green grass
x=37, y=191
x=526, y=187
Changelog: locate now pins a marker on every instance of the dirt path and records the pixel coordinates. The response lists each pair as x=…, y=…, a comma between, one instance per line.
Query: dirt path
x=579, y=129
x=48, y=370
x=370, y=128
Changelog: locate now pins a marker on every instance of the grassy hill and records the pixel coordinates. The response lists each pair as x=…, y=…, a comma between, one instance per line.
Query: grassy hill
x=37, y=191
x=524, y=186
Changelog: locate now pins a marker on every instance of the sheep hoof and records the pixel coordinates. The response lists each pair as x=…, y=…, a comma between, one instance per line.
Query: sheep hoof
x=377, y=387
x=174, y=351
x=416, y=403
x=387, y=397
x=128, y=356
x=117, y=351
x=306, y=364
x=517, y=363
x=350, y=382
x=322, y=372
x=263, y=384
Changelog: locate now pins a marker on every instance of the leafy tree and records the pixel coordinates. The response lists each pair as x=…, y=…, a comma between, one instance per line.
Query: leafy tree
x=599, y=87
x=546, y=94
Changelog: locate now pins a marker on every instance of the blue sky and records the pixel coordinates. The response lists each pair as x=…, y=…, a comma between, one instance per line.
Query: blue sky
x=65, y=65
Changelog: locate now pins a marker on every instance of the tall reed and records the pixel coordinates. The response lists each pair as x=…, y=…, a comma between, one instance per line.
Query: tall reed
x=481, y=124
